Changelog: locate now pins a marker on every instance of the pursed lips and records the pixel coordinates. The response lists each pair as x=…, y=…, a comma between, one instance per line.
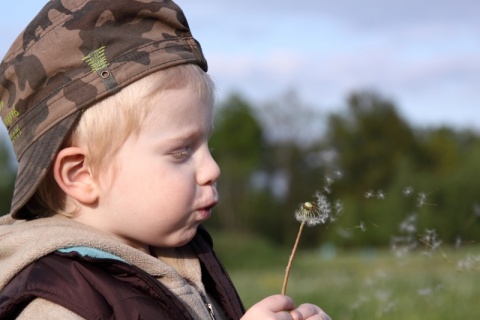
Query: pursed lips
x=206, y=209
x=209, y=206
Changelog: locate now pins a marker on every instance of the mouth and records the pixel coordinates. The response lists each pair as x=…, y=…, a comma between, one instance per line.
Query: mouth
x=206, y=211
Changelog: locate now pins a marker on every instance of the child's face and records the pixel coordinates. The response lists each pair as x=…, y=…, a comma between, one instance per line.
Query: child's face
x=163, y=182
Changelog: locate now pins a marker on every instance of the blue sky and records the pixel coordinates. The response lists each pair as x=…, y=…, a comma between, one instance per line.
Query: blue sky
x=423, y=54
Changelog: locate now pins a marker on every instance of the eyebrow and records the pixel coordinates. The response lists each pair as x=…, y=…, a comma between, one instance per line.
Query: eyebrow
x=189, y=135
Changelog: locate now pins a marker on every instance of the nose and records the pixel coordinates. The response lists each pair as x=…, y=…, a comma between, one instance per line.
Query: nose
x=208, y=171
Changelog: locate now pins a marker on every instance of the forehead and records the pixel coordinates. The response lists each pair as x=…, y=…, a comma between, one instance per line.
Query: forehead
x=179, y=106
x=182, y=78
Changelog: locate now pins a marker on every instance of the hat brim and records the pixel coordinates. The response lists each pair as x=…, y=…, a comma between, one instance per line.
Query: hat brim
x=36, y=162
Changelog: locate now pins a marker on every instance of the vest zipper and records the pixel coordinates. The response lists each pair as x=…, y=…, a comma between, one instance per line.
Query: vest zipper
x=210, y=310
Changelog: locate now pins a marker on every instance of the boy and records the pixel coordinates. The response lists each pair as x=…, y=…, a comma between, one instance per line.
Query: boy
x=109, y=110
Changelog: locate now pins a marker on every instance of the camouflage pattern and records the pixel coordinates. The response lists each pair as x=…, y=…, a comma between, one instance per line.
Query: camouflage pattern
x=73, y=54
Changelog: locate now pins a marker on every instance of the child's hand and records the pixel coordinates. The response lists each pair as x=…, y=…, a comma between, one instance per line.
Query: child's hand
x=280, y=307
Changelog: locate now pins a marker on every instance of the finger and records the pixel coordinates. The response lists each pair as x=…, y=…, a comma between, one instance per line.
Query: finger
x=273, y=307
x=311, y=311
x=284, y=315
x=278, y=302
x=296, y=315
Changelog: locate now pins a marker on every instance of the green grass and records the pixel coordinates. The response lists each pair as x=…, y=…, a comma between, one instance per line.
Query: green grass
x=362, y=284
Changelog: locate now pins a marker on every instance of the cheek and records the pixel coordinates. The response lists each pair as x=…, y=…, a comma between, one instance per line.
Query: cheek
x=152, y=181
x=128, y=182
x=176, y=192
x=174, y=186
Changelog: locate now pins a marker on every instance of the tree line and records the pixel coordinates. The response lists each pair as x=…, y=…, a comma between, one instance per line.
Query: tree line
x=388, y=182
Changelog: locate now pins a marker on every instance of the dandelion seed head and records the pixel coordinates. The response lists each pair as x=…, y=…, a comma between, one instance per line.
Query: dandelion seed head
x=313, y=213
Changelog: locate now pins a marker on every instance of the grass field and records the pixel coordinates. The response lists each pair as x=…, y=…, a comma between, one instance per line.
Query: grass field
x=361, y=284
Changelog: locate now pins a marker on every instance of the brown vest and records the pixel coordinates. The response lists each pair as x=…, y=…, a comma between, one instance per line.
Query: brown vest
x=111, y=289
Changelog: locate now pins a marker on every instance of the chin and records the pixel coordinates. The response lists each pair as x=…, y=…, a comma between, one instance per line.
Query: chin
x=187, y=237
x=177, y=239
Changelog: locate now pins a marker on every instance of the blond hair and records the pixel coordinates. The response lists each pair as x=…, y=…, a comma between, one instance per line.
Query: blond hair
x=104, y=127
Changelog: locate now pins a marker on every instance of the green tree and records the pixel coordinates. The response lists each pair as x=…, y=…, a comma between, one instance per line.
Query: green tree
x=451, y=184
x=238, y=146
x=293, y=167
x=372, y=143
x=371, y=140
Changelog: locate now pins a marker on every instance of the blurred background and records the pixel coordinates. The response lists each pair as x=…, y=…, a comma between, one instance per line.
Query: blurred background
x=372, y=103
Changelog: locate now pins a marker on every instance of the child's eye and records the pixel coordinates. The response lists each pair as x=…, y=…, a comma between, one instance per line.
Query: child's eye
x=181, y=154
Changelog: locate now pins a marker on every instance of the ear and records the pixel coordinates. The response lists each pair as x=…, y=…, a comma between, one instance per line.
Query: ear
x=73, y=175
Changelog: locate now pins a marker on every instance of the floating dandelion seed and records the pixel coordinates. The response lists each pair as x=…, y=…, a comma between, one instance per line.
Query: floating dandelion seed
x=470, y=263
x=430, y=239
x=476, y=209
x=404, y=243
x=409, y=225
x=310, y=214
x=421, y=199
x=362, y=226
x=338, y=207
x=328, y=180
x=369, y=194
x=458, y=242
x=338, y=174
x=425, y=291
x=380, y=195
x=408, y=191
x=323, y=207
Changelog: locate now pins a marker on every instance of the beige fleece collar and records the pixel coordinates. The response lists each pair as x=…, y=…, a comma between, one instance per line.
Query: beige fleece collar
x=22, y=242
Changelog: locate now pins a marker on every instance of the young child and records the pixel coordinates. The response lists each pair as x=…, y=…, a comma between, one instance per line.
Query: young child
x=109, y=109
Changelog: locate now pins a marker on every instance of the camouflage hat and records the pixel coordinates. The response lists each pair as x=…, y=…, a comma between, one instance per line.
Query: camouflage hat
x=73, y=54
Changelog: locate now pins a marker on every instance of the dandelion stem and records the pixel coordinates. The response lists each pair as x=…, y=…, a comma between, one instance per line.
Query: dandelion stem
x=290, y=260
